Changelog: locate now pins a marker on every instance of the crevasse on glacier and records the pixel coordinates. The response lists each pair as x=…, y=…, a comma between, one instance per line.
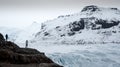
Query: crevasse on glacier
x=85, y=59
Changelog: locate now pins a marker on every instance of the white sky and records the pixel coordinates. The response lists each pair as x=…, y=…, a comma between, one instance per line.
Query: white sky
x=21, y=13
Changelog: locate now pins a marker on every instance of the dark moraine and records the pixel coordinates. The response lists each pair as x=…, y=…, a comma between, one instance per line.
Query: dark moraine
x=11, y=55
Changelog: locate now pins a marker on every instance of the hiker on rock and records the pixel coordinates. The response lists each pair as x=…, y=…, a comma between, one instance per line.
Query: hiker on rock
x=26, y=44
x=6, y=36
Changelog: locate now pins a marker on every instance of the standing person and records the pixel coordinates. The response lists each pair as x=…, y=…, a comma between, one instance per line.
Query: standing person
x=6, y=36
x=26, y=44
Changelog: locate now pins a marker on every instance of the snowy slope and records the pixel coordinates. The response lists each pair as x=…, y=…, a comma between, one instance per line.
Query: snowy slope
x=12, y=32
x=102, y=24
x=28, y=33
x=21, y=35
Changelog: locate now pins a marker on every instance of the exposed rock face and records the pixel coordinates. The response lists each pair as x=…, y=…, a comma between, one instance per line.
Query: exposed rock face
x=14, y=56
x=2, y=40
x=77, y=25
x=30, y=65
x=95, y=23
x=91, y=8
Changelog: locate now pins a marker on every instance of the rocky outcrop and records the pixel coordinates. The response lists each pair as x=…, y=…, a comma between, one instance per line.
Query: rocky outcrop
x=91, y=8
x=2, y=40
x=12, y=55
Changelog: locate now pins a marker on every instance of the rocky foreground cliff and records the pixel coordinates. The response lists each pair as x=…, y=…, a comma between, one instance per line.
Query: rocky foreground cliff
x=12, y=55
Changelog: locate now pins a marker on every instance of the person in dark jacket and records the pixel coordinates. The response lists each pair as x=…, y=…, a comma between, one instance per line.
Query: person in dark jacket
x=26, y=44
x=6, y=36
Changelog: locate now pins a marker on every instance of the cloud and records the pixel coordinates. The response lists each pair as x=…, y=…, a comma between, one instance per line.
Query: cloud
x=24, y=12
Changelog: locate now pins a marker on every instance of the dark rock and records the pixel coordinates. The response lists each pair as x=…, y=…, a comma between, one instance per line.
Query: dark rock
x=27, y=51
x=1, y=37
x=62, y=35
x=2, y=40
x=91, y=8
x=7, y=55
x=58, y=27
x=13, y=55
x=95, y=23
x=114, y=8
x=30, y=65
x=11, y=45
x=42, y=25
x=105, y=23
x=71, y=33
x=46, y=34
x=77, y=25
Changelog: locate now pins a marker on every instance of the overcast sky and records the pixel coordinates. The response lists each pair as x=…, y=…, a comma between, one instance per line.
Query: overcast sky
x=21, y=13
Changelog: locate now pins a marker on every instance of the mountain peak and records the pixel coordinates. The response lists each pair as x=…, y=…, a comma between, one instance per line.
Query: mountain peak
x=94, y=20
x=91, y=8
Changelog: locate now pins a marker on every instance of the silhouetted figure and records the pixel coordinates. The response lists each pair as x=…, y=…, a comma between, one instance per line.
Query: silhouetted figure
x=6, y=36
x=26, y=44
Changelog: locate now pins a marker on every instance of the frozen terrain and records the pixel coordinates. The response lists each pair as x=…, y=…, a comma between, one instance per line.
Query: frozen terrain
x=82, y=55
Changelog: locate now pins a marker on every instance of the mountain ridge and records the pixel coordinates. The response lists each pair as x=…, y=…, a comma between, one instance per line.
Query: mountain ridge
x=101, y=23
x=102, y=20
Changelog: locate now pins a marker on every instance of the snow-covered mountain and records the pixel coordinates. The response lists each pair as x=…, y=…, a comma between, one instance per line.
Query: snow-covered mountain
x=92, y=25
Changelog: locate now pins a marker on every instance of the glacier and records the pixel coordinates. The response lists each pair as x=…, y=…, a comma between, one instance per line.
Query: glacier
x=86, y=55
